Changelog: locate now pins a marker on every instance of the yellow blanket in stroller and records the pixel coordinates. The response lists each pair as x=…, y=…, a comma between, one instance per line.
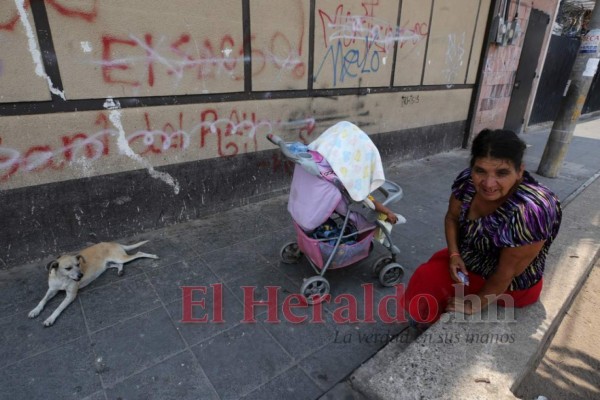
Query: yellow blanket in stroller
x=353, y=157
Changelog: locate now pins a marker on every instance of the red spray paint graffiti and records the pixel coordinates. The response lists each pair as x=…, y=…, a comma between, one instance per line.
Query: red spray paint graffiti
x=224, y=56
x=66, y=11
x=231, y=134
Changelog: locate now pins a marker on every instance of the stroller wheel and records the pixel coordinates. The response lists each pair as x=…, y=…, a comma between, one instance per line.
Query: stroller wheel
x=290, y=253
x=379, y=264
x=391, y=274
x=315, y=289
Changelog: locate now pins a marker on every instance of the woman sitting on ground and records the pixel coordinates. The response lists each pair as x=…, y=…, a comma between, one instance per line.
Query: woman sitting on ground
x=499, y=226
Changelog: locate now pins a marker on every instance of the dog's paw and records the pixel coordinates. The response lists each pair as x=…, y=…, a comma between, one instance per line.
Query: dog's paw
x=33, y=313
x=49, y=322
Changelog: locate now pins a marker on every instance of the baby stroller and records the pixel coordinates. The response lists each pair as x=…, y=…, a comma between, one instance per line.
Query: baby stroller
x=334, y=218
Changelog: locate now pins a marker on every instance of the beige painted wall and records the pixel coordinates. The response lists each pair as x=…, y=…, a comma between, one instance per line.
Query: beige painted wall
x=414, y=30
x=41, y=149
x=280, y=50
x=478, y=41
x=450, y=39
x=18, y=80
x=140, y=48
x=143, y=48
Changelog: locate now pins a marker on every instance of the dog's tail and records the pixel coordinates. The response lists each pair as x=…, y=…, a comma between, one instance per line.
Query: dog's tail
x=133, y=246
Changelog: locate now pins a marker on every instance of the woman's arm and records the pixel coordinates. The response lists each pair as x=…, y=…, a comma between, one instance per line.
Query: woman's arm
x=451, y=230
x=513, y=262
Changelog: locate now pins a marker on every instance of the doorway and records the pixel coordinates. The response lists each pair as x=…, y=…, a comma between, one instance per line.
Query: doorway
x=526, y=72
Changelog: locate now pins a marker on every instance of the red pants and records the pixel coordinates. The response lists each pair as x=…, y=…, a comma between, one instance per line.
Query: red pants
x=431, y=286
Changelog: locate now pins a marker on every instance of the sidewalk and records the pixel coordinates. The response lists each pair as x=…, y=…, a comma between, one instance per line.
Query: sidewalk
x=123, y=336
x=569, y=370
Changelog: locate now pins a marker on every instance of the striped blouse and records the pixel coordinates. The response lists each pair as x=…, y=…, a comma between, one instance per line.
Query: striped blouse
x=531, y=213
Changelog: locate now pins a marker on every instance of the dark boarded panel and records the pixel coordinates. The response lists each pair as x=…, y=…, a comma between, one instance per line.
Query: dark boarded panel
x=42, y=221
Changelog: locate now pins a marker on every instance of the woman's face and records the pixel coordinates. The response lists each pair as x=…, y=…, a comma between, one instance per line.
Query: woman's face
x=494, y=178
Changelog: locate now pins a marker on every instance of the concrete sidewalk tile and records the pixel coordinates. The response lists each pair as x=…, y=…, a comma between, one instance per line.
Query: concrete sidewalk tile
x=110, y=304
x=134, y=345
x=65, y=372
x=269, y=245
x=236, y=261
x=167, y=249
x=179, y=377
x=300, y=339
x=233, y=226
x=240, y=360
x=258, y=284
x=293, y=384
x=343, y=390
x=99, y=395
x=24, y=337
x=296, y=272
x=24, y=284
x=332, y=363
x=349, y=294
x=169, y=280
x=342, y=283
x=196, y=332
x=369, y=335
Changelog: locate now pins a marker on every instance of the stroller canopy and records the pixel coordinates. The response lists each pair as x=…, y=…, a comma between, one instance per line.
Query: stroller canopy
x=353, y=157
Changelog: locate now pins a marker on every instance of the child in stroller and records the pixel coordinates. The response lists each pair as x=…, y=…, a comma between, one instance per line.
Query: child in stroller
x=335, y=214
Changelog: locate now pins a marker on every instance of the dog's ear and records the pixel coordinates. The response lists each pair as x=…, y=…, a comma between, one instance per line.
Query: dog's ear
x=80, y=259
x=52, y=264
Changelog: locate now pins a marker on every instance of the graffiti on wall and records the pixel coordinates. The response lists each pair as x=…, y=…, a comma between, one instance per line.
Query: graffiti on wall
x=221, y=135
x=187, y=54
x=455, y=53
x=360, y=44
x=144, y=59
x=205, y=61
x=65, y=10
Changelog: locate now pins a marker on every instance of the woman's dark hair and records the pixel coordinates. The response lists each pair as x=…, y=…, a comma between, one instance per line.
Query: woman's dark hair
x=500, y=143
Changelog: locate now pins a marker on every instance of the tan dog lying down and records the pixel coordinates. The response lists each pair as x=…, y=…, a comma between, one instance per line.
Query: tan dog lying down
x=73, y=272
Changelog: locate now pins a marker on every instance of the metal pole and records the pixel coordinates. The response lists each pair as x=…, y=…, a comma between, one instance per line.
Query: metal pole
x=580, y=80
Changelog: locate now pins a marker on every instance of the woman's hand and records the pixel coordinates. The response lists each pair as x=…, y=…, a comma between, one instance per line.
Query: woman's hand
x=457, y=264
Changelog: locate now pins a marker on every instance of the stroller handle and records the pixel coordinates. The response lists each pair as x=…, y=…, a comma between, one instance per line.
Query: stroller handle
x=392, y=192
x=277, y=141
x=303, y=159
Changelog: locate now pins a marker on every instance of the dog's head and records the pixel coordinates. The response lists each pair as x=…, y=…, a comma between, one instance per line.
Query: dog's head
x=67, y=266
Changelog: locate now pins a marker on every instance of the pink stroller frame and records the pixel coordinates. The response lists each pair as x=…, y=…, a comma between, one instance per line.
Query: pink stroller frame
x=316, y=194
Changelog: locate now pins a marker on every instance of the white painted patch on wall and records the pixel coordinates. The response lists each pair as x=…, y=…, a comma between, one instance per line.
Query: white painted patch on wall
x=124, y=148
x=85, y=164
x=226, y=52
x=33, y=49
x=384, y=60
x=86, y=47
